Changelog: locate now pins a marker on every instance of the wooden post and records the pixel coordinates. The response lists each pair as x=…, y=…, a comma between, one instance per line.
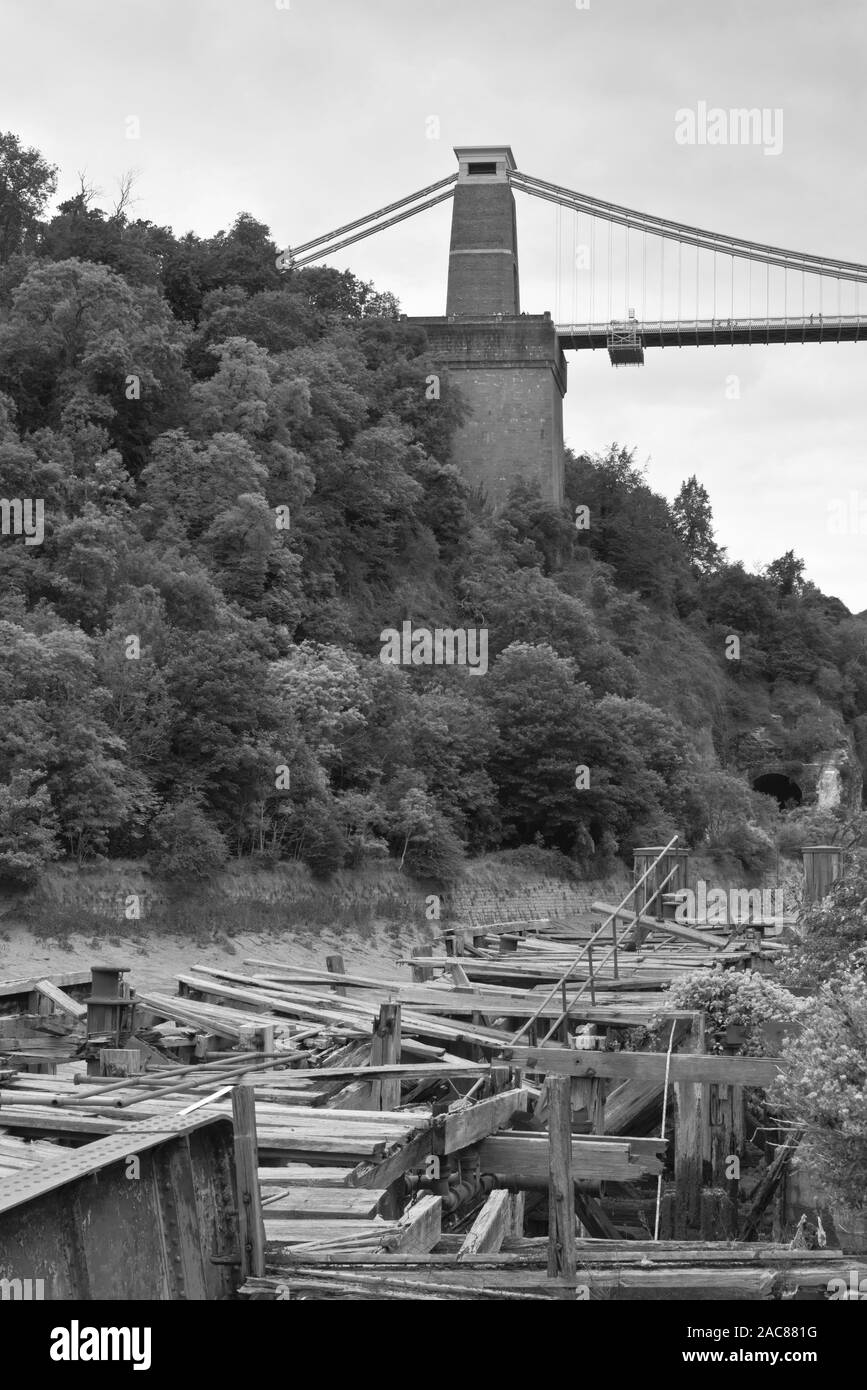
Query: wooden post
x=562, y=1258
x=643, y=857
x=335, y=965
x=421, y=973
x=588, y=1093
x=251, y=1227
x=385, y=1051
x=120, y=1061
x=690, y=1145
x=516, y=1224
x=726, y=1121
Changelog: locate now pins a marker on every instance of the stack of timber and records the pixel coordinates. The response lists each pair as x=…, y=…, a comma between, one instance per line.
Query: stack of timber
x=41, y=1021
x=515, y=1268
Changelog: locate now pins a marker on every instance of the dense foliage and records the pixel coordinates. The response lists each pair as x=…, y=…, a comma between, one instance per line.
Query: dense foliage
x=833, y=931
x=735, y=999
x=823, y=1089
x=246, y=478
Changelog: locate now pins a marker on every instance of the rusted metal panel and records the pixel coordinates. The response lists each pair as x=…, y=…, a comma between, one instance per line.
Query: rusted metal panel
x=149, y=1213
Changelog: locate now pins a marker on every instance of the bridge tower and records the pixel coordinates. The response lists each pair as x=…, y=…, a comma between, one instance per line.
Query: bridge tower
x=508, y=365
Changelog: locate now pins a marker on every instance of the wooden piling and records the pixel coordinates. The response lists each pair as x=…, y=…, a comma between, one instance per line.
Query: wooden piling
x=690, y=1144
x=385, y=1051
x=562, y=1260
x=251, y=1227
x=335, y=965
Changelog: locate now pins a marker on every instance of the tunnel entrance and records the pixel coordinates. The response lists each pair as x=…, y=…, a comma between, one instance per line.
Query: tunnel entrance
x=787, y=792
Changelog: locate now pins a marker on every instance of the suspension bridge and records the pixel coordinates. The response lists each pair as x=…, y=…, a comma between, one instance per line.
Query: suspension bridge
x=624, y=282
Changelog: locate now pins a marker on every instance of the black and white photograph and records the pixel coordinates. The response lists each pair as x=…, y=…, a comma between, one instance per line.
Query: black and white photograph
x=433, y=677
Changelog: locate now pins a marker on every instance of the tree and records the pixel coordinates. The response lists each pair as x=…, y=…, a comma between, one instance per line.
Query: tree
x=28, y=828
x=27, y=181
x=427, y=845
x=693, y=523
x=186, y=845
x=787, y=573
x=78, y=331
x=542, y=714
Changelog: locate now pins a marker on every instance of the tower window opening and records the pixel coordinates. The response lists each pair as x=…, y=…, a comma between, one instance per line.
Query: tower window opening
x=486, y=168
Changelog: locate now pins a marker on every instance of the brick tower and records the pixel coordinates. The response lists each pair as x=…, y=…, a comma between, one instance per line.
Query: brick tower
x=508, y=365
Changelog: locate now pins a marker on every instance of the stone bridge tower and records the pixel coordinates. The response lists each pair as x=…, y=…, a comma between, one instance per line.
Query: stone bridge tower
x=508, y=365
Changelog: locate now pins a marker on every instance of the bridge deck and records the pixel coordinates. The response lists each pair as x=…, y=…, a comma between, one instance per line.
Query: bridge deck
x=720, y=332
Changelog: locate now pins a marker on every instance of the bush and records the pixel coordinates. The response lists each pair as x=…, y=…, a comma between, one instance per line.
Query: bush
x=730, y=998
x=807, y=825
x=185, y=844
x=426, y=843
x=549, y=863
x=831, y=930
x=823, y=1090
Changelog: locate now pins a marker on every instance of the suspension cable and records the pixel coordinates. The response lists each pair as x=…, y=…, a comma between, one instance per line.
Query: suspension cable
x=292, y=264
x=372, y=216
x=716, y=241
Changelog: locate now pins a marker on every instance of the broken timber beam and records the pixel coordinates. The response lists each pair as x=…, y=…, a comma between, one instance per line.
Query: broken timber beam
x=490, y=1227
x=666, y=927
x=646, y=1066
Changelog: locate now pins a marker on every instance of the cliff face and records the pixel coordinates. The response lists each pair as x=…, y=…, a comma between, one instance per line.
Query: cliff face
x=819, y=763
x=840, y=779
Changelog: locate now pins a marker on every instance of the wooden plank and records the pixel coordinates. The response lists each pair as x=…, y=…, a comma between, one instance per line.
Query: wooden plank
x=382, y=1172
x=322, y=1230
x=304, y=1174
x=62, y=1002
x=420, y=1227
x=666, y=927
x=490, y=1227
x=251, y=1228
x=646, y=1066
x=464, y=1127
x=521, y=1159
x=28, y=985
x=562, y=1258
x=516, y=1215
x=320, y=1203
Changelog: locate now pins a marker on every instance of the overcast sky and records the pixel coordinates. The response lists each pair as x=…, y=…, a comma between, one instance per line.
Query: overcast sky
x=309, y=113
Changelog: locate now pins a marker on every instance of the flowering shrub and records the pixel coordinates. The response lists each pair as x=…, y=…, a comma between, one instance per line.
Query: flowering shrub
x=831, y=930
x=824, y=1087
x=735, y=998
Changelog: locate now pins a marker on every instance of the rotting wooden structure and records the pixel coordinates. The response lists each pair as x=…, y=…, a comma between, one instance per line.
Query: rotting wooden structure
x=475, y=1126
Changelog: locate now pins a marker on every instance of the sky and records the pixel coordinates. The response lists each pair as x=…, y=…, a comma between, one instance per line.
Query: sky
x=310, y=113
